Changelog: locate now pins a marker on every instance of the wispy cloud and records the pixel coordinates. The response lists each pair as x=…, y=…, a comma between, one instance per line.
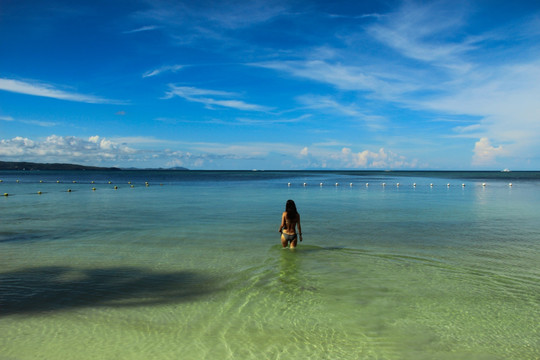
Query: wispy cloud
x=352, y=111
x=272, y=121
x=220, y=15
x=212, y=98
x=142, y=29
x=190, y=22
x=163, y=69
x=426, y=32
x=49, y=91
x=30, y=122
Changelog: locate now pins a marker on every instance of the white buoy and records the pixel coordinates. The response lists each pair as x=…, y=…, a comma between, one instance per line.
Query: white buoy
x=367, y=184
x=305, y=184
x=414, y=185
x=510, y=184
x=288, y=184
x=383, y=184
x=351, y=185
x=431, y=185
x=463, y=185
x=337, y=184
x=397, y=184
x=484, y=184
x=448, y=185
x=321, y=184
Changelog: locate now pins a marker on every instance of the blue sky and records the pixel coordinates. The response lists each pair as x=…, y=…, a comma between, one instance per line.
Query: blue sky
x=271, y=84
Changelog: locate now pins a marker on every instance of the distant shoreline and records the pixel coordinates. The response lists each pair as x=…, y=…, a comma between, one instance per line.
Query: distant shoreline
x=30, y=166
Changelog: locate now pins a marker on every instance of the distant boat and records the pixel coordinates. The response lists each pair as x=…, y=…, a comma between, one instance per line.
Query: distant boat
x=505, y=170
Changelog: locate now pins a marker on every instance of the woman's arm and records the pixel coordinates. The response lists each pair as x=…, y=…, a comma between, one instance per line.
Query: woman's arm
x=282, y=222
x=299, y=228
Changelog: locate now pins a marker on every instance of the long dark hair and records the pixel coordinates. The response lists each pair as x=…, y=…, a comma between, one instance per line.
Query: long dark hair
x=290, y=209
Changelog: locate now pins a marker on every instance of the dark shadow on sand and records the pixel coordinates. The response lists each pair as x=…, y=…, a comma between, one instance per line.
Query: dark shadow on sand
x=45, y=289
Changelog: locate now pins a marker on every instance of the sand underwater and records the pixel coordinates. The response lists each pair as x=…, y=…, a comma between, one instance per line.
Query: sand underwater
x=191, y=265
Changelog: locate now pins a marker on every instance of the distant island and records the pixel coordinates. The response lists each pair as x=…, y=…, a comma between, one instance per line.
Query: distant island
x=30, y=166
x=23, y=165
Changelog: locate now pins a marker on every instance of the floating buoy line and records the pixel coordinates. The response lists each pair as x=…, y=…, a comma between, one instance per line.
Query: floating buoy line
x=397, y=185
x=69, y=190
x=384, y=185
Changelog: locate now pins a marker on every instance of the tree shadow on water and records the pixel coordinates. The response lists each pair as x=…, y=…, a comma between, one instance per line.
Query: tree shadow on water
x=44, y=289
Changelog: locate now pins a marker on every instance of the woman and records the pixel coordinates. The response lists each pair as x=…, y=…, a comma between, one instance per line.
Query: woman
x=289, y=220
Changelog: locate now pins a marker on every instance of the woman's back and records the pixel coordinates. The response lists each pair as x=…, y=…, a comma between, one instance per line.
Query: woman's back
x=290, y=221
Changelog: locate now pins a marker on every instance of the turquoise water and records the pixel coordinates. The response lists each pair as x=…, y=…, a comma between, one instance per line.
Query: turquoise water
x=191, y=266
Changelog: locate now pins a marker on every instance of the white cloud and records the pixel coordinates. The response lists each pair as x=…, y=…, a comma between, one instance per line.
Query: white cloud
x=142, y=29
x=97, y=150
x=368, y=159
x=271, y=121
x=49, y=91
x=65, y=149
x=202, y=96
x=425, y=32
x=188, y=92
x=201, y=18
x=353, y=111
x=344, y=77
x=163, y=69
x=485, y=153
x=30, y=122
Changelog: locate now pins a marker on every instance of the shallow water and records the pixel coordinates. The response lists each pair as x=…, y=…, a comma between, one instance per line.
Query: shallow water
x=191, y=266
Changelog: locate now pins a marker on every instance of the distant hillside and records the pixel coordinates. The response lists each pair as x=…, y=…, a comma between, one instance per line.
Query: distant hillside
x=9, y=165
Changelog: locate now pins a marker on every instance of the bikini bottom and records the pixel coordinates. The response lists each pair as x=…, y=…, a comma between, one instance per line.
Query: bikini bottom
x=289, y=237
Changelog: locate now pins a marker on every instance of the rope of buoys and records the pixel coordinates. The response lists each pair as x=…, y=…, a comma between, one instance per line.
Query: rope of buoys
x=383, y=184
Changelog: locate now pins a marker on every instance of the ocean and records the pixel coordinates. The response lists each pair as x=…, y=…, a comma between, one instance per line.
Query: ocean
x=189, y=265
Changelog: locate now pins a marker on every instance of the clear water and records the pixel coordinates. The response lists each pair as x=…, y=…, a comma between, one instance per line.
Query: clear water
x=191, y=266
